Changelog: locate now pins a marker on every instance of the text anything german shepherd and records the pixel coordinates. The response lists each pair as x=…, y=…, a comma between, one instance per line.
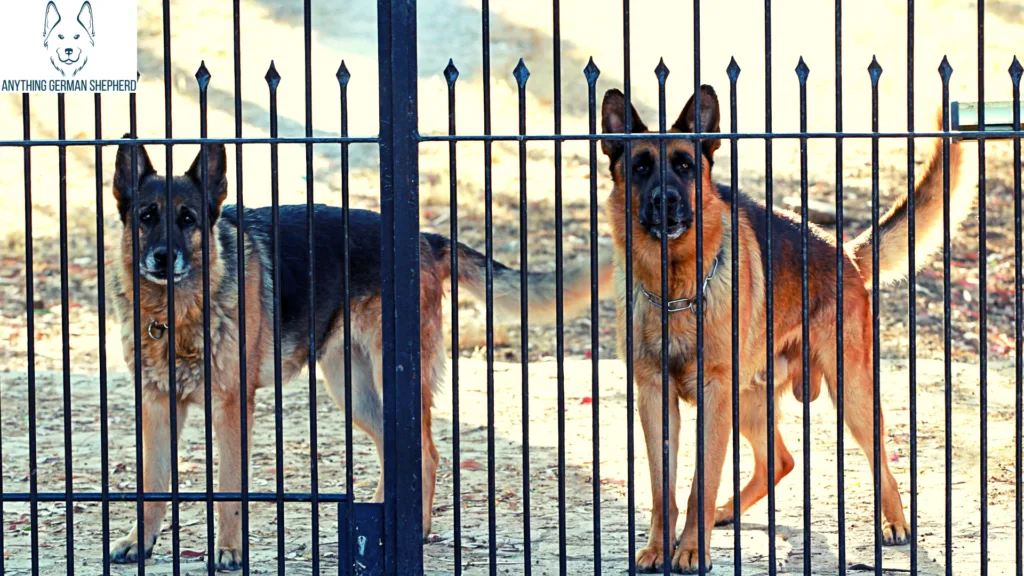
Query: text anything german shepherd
x=677, y=193
x=180, y=256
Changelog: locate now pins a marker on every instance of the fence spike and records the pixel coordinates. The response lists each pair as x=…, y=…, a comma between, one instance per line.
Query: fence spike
x=802, y=70
x=521, y=73
x=875, y=70
x=591, y=72
x=272, y=77
x=661, y=71
x=733, y=70
x=451, y=73
x=1015, y=71
x=343, y=74
x=945, y=70
x=203, y=76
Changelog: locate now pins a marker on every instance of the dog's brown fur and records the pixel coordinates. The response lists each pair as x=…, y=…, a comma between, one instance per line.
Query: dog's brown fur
x=365, y=305
x=684, y=281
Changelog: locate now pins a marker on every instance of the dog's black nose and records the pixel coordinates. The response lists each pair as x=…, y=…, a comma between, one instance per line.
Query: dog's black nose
x=160, y=259
x=68, y=51
x=670, y=197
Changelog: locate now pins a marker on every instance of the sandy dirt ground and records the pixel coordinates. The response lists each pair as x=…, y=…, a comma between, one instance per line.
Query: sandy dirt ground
x=346, y=29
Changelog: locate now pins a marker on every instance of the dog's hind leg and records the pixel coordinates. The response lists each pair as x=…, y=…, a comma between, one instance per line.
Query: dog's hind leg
x=754, y=427
x=156, y=473
x=367, y=408
x=858, y=414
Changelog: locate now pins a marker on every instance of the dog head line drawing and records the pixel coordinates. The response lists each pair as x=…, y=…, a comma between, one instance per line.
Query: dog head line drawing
x=69, y=43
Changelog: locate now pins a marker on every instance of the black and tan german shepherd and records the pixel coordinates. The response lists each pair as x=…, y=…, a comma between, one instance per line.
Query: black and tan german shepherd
x=677, y=194
x=179, y=256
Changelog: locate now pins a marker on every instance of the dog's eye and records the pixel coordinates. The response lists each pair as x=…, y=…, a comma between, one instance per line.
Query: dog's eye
x=187, y=219
x=683, y=166
x=147, y=217
x=642, y=169
x=61, y=36
x=77, y=36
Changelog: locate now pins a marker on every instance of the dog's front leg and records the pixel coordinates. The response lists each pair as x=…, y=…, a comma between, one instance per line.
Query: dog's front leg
x=227, y=425
x=156, y=473
x=717, y=413
x=649, y=389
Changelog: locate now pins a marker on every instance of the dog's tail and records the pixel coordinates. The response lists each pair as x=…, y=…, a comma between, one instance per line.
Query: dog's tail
x=541, y=286
x=893, y=253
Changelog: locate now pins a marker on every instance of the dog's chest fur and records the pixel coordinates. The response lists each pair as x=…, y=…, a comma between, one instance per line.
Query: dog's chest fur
x=189, y=360
x=682, y=328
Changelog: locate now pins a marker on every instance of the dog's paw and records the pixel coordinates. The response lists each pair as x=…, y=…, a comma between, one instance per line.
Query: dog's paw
x=126, y=550
x=895, y=533
x=649, y=560
x=686, y=559
x=723, y=515
x=228, y=560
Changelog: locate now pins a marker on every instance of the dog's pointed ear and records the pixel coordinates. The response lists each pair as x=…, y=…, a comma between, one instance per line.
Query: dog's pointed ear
x=124, y=190
x=216, y=176
x=51, y=18
x=709, y=119
x=613, y=121
x=85, y=18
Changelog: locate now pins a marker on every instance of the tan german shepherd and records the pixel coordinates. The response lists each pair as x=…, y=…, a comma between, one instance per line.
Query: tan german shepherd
x=677, y=192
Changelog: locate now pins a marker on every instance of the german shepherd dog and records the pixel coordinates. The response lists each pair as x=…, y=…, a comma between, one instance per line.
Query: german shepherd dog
x=179, y=256
x=678, y=193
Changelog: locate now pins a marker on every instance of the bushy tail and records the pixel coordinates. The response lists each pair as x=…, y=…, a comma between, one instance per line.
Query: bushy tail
x=541, y=286
x=893, y=253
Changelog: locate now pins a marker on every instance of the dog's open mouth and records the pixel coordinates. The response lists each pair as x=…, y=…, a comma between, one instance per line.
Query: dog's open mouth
x=673, y=230
x=161, y=277
x=70, y=60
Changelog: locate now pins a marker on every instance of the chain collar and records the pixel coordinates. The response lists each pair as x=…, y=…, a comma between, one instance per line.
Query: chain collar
x=156, y=330
x=683, y=304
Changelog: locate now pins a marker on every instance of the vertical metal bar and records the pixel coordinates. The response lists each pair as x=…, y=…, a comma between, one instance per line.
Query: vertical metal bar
x=734, y=234
x=451, y=74
x=666, y=526
x=630, y=449
x=388, y=265
x=30, y=299
x=559, y=277
x=314, y=476
x=65, y=310
x=983, y=299
x=591, y=73
x=400, y=196
x=169, y=221
x=140, y=517
x=203, y=79
x=522, y=74
x=350, y=502
x=840, y=267
x=945, y=71
x=769, y=278
x=101, y=312
x=912, y=286
x=243, y=404
x=699, y=309
x=492, y=531
x=273, y=79
x=875, y=72
x=1015, y=73
x=805, y=326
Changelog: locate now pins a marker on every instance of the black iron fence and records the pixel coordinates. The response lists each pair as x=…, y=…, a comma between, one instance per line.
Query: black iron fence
x=386, y=537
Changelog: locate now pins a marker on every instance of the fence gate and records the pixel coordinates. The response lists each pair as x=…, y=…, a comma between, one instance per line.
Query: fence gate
x=387, y=537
